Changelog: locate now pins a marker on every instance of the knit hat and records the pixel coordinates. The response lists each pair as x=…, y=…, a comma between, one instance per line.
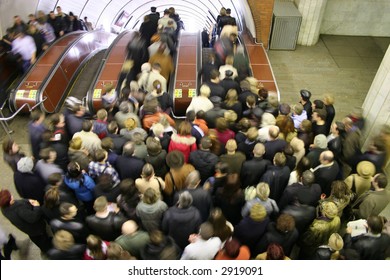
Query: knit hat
x=25, y=165
x=257, y=212
x=206, y=231
x=336, y=242
x=320, y=141
x=365, y=169
x=329, y=209
x=175, y=159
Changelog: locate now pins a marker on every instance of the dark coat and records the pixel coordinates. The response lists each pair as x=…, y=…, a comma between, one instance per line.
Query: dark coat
x=249, y=232
x=273, y=147
x=179, y=223
x=108, y=228
x=325, y=177
x=230, y=206
x=201, y=201
x=76, y=252
x=159, y=251
x=30, y=185
x=252, y=171
x=277, y=179
x=286, y=239
x=147, y=30
x=298, y=193
x=369, y=247
x=129, y=167
x=158, y=162
x=204, y=162
x=119, y=141
x=216, y=90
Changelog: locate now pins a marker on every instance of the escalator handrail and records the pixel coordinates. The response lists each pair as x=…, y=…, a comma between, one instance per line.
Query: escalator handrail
x=172, y=78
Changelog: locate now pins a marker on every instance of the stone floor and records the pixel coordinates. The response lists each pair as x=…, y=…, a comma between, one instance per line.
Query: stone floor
x=344, y=66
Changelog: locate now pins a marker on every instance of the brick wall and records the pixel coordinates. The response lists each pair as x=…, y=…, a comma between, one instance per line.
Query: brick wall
x=262, y=11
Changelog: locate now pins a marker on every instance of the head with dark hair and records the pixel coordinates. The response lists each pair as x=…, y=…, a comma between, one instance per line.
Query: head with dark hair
x=285, y=223
x=74, y=170
x=201, y=114
x=319, y=114
x=318, y=104
x=190, y=116
x=127, y=188
x=339, y=189
x=100, y=155
x=302, y=166
x=214, y=74
x=112, y=127
x=107, y=144
x=375, y=224
x=380, y=180
x=52, y=198
x=54, y=179
x=275, y=252
x=308, y=178
x=263, y=93
x=87, y=125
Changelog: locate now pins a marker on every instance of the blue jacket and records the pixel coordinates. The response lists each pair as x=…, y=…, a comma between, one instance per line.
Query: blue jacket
x=83, y=187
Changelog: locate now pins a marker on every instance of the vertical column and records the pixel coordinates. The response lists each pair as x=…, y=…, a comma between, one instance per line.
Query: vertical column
x=312, y=13
x=376, y=106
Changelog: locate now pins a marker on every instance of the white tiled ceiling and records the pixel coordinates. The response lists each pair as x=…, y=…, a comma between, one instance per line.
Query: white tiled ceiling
x=103, y=13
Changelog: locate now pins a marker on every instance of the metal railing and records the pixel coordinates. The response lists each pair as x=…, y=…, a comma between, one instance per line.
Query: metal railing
x=4, y=120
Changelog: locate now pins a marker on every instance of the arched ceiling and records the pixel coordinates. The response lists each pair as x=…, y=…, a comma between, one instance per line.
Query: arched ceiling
x=196, y=14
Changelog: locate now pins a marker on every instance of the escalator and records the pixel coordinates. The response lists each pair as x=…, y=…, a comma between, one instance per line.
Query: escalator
x=87, y=73
x=184, y=83
x=50, y=79
x=107, y=70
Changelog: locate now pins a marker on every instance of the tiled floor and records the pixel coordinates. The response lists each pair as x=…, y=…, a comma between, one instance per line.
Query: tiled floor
x=342, y=65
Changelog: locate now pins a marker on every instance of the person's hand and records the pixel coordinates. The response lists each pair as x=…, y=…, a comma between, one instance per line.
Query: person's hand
x=348, y=230
x=34, y=202
x=192, y=238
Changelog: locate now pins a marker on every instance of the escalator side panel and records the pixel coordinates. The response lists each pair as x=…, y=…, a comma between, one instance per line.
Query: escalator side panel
x=260, y=64
x=54, y=90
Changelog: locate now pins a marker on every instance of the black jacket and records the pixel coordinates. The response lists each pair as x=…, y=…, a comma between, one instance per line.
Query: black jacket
x=204, y=162
x=129, y=167
x=108, y=228
x=369, y=247
x=252, y=171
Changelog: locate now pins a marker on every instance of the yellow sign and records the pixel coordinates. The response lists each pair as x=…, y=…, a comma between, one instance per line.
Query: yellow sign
x=178, y=93
x=97, y=93
x=20, y=93
x=191, y=92
x=32, y=94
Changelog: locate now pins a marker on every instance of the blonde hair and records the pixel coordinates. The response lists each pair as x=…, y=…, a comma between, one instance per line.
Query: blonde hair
x=157, y=129
x=101, y=114
x=100, y=203
x=262, y=191
x=329, y=99
x=205, y=91
x=76, y=143
x=63, y=240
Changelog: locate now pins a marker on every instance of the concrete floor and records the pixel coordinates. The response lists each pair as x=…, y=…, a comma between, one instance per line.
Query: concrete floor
x=344, y=66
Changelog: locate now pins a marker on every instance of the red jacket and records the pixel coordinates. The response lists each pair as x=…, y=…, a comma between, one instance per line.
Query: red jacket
x=184, y=144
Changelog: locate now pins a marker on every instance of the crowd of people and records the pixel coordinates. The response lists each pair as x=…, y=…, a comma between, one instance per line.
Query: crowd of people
x=244, y=176
x=25, y=42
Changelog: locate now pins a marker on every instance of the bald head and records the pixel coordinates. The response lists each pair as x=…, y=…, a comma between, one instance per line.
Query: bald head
x=259, y=150
x=129, y=227
x=273, y=132
x=326, y=157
